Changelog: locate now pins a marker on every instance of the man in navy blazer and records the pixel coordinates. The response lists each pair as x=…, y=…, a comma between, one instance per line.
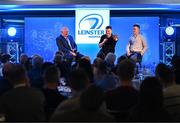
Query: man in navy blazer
x=67, y=45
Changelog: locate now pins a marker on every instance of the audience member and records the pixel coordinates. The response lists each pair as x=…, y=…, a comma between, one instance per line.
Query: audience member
x=22, y=103
x=78, y=81
x=53, y=97
x=121, y=58
x=111, y=94
x=23, y=59
x=89, y=111
x=119, y=101
x=150, y=106
x=63, y=65
x=5, y=58
x=104, y=78
x=171, y=90
x=85, y=64
x=5, y=84
x=28, y=64
x=35, y=73
x=44, y=66
x=110, y=60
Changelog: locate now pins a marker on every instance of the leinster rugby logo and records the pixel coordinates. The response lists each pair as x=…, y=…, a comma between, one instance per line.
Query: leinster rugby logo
x=91, y=21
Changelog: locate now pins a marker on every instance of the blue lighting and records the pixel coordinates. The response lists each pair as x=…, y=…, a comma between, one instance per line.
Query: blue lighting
x=169, y=30
x=11, y=31
x=71, y=8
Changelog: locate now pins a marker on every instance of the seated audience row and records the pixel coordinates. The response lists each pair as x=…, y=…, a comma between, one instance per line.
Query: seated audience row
x=102, y=91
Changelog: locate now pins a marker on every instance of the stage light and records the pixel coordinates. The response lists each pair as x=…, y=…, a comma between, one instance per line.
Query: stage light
x=11, y=31
x=169, y=30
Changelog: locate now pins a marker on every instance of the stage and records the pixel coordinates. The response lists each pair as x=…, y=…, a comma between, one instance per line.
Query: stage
x=38, y=26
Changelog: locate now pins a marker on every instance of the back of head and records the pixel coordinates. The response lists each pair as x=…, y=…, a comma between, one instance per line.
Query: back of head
x=45, y=65
x=86, y=58
x=78, y=80
x=37, y=61
x=97, y=61
x=18, y=75
x=102, y=68
x=92, y=98
x=151, y=93
x=59, y=53
x=164, y=74
x=110, y=58
x=5, y=58
x=7, y=67
x=58, y=59
x=23, y=58
x=52, y=74
x=126, y=70
x=85, y=64
x=121, y=58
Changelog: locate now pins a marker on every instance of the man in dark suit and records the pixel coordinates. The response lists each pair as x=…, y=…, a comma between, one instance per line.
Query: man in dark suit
x=67, y=45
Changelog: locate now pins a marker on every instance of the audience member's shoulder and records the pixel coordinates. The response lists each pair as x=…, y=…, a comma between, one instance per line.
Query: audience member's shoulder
x=111, y=92
x=121, y=89
x=36, y=90
x=172, y=90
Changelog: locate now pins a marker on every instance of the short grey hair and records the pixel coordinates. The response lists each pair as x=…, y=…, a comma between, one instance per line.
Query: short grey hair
x=64, y=28
x=110, y=58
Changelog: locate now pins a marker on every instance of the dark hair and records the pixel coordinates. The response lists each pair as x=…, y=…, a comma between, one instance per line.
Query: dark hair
x=151, y=93
x=58, y=59
x=87, y=67
x=5, y=58
x=59, y=53
x=121, y=58
x=102, y=68
x=78, y=79
x=136, y=25
x=28, y=64
x=52, y=74
x=164, y=73
x=126, y=70
x=108, y=27
x=17, y=74
x=92, y=98
x=97, y=61
x=23, y=59
x=7, y=67
x=44, y=66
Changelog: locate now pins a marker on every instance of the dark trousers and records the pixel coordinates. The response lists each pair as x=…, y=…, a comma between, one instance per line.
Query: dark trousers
x=136, y=57
x=70, y=58
x=102, y=54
